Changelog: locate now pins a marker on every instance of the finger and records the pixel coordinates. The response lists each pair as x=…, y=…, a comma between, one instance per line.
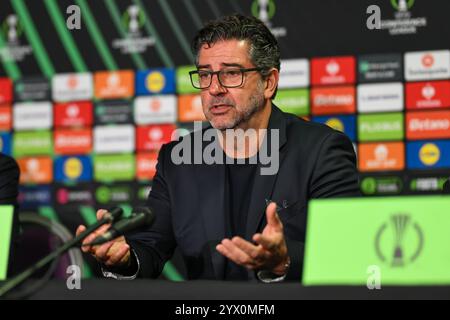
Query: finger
x=80, y=229
x=255, y=252
x=272, y=216
x=266, y=242
x=118, y=255
x=101, y=213
x=237, y=255
x=101, y=252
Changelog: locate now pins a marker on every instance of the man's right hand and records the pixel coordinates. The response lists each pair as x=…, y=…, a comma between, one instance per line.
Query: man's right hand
x=115, y=253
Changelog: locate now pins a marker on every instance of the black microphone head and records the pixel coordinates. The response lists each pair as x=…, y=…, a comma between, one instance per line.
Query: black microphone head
x=149, y=216
x=116, y=213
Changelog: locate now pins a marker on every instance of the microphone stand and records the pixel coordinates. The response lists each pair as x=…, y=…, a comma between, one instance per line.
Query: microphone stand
x=24, y=275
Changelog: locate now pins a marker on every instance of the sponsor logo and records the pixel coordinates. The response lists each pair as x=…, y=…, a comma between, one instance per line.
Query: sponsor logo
x=427, y=184
x=380, y=68
x=146, y=165
x=36, y=170
x=431, y=65
x=73, y=169
x=183, y=81
x=381, y=156
x=332, y=71
x=380, y=127
x=333, y=100
x=108, y=168
x=114, y=85
x=114, y=194
x=34, y=197
x=295, y=101
x=428, y=154
x=190, y=108
x=5, y=143
x=71, y=142
x=12, y=31
x=345, y=124
x=151, y=138
x=403, y=22
x=32, y=89
x=113, y=112
x=32, y=115
x=380, y=97
x=155, y=110
x=294, y=74
x=399, y=242
x=72, y=87
x=155, y=81
x=265, y=10
x=5, y=118
x=73, y=114
x=133, y=20
x=32, y=143
x=428, y=125
x=73, y=196
x=6, y=90
x=381, y=185
x=114, y=139
x=424, y=95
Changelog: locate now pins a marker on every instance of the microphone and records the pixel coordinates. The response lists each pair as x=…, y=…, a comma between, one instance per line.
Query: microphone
x=114, y=214
x=141, y=217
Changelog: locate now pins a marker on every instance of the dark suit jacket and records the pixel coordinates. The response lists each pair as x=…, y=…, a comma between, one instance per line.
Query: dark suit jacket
x=188, y=200
x=9, y=180
x=447, y=187
x=9, y=189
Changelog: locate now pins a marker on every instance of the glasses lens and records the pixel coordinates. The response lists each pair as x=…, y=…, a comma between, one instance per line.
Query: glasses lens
x=231, y=77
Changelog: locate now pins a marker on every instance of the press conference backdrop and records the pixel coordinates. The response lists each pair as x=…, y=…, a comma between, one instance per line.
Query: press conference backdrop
x=85, y=111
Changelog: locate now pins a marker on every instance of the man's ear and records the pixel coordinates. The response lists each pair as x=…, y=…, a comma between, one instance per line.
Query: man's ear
x=271, y=83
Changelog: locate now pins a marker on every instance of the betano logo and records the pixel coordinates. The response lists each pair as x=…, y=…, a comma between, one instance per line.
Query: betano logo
x=114, y=85
x=428, y=125
x=190, y=108
x=333, y=100
x=36, y=170
x=429, y=154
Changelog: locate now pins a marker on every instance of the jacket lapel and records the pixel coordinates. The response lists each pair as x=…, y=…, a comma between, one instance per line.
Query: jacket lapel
x=211, y=186
x=263, y=184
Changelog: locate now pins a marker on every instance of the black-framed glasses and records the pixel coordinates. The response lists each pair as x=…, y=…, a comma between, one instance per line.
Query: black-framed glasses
x=228, y=77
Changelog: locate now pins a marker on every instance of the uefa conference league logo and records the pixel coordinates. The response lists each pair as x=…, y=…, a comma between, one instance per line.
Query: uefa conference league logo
x=265, y=10
x=399, y=242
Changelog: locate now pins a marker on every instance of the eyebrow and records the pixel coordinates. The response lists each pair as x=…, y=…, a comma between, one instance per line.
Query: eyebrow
x=205, y=66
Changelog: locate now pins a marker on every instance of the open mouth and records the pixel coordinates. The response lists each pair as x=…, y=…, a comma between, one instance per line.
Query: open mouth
x=220, y=109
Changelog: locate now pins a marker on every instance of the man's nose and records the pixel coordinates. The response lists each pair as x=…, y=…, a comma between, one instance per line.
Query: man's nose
x=216, y=88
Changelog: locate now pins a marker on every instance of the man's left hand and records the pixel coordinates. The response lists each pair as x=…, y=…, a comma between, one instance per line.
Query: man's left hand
x=270, y=251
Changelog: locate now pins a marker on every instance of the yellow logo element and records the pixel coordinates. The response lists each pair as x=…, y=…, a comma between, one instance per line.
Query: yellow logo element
x=335, y=124
x=73, y=168
x=155, y=82
x=429, y=154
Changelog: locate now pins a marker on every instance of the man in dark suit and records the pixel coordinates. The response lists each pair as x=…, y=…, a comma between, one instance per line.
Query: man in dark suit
x=9, y=189
x=236, y=221
x=9, y=180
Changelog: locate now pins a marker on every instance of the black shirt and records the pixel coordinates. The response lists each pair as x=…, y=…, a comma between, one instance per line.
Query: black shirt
x=239, y=185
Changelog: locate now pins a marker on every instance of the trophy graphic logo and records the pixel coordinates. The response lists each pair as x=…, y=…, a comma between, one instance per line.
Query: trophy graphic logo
x=402, y=5
x=12, y=29
x=399, y=242
x=133, y=19
x=264, y=10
